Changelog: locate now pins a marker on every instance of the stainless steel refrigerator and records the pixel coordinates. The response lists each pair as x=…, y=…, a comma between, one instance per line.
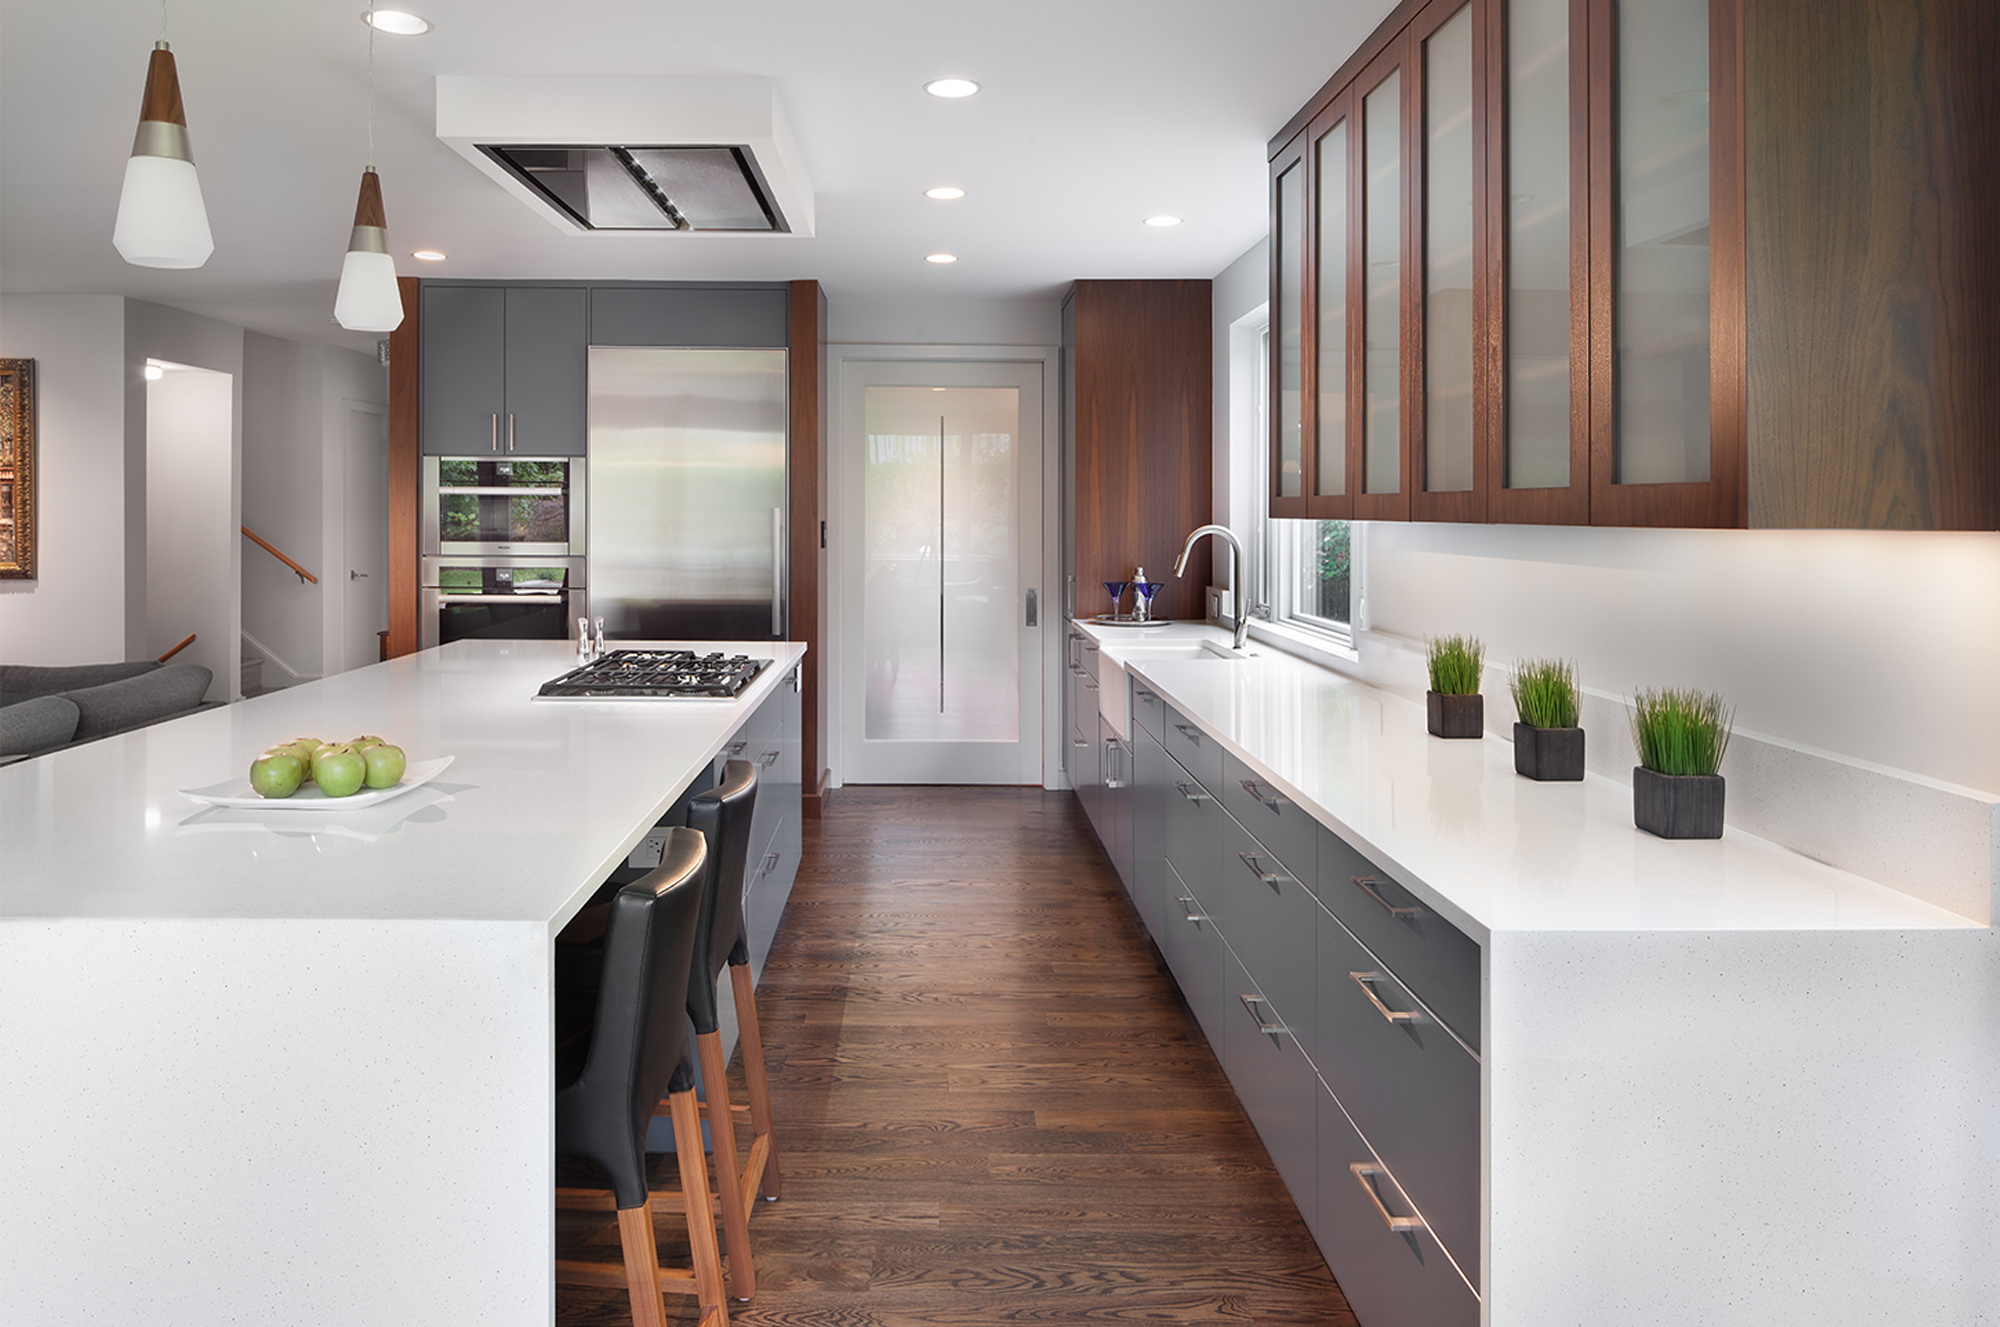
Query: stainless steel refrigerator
x=687, y=493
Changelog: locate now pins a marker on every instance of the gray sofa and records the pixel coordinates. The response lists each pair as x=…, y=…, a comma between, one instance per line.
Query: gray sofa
x=44, y=709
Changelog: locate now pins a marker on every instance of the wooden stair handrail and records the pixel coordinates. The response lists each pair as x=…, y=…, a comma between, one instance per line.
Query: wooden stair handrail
x=178, y=648
x=266, y=545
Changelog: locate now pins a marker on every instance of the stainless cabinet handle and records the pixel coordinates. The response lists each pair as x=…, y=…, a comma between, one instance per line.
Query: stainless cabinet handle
x=1367, y=885
x=1400, y=1224
x=1089, y=682
x=1150, y=697
x=1366, y=981
x=777, y=573
x=770, y=862
x=1197, y=796
x=496, y=430
x=768, y=759
x=1190, y=732
x=510, y=430
x=1251, y=1002
x=1250, y=860
x=1079, y=741
x=1257, y=790
x=1112, y=749
x=1187, y=913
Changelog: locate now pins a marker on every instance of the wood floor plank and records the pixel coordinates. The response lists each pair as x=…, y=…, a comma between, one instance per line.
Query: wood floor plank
x=992, y=1106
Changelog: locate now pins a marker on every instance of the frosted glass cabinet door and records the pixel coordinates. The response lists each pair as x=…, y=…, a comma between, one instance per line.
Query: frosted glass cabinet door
x=1382, y=300
x=1538, y=245
x=1449, y=260
x=1287, y=342
x=1331, y=238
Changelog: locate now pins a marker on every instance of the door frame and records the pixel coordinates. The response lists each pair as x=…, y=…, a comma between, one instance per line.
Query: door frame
x=1049, y=358
x=333, y=534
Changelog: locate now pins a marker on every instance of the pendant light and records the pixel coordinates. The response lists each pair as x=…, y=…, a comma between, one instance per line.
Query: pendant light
x=369, y=299
x=161, y=219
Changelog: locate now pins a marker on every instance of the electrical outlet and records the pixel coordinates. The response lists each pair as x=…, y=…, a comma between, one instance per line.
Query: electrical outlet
x=647, y=854
x=1219, y=606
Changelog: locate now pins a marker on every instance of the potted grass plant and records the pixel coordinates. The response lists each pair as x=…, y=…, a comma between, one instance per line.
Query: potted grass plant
x=1677, y=787
x=1453, y=706
x=1548, y=744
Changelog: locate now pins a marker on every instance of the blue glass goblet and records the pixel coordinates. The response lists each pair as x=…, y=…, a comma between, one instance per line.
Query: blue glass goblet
x=1116, y=589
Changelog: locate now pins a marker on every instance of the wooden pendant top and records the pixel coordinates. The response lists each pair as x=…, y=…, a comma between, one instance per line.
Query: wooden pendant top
x=163, y=90
x=368, y=208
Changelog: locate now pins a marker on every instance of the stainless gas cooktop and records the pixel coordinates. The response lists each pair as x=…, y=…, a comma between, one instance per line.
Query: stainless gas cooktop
x=656, y=675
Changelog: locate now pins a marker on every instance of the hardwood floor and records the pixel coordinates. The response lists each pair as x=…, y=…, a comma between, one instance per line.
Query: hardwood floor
x=991, y=1105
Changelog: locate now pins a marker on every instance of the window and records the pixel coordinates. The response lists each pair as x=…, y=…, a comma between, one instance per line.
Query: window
x=1303, y=571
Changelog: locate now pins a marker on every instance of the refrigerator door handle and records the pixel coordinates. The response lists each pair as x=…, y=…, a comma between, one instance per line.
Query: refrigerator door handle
x=777, y=573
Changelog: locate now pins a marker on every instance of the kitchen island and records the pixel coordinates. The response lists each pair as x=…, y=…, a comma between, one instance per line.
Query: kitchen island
x=1616, y=1079
x=282, y=1066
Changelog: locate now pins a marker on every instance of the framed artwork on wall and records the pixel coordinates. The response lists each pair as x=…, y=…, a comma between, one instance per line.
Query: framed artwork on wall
x=17, y=469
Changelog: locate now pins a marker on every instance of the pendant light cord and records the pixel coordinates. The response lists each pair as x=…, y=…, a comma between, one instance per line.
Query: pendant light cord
x=163, y=19
x=371, y=81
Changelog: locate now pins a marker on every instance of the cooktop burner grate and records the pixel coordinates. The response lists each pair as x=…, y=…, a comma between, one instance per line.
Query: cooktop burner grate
x=624, y=674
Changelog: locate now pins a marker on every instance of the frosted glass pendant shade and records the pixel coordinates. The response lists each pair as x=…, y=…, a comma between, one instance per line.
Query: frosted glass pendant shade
x=369, y=299
x=162, y=221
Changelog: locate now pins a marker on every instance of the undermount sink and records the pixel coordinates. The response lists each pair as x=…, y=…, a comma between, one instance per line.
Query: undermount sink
x=1194, y=649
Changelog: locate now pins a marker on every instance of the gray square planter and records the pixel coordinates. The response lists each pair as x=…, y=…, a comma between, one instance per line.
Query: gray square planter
x=1548, y=755
x=1455, y=716
x=1677, y=806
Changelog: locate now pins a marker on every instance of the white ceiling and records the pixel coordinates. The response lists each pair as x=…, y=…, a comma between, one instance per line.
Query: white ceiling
x=1094, y=115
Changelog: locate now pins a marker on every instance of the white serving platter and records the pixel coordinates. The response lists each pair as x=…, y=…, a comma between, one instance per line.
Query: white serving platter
x=237, y=792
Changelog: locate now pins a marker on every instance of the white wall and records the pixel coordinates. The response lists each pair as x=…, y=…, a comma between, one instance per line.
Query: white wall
x=190, y=537
x=73, y=612
x=1241, y=289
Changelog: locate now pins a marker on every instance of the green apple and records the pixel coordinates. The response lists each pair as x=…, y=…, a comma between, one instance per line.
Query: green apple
x=385, y=765
x=303, y=748
x=276, y=774
x=365, y=741
x=339, y=771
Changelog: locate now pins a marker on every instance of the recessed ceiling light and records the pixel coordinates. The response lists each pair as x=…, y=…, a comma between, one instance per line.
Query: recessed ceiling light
x=944, y=193
x=941, y=258
x=1163, y=221
x=396, y=22
x=951, y=87
x=428, y=255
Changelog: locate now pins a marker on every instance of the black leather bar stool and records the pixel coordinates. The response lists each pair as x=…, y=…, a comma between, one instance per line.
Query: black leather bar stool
x=611, y=1076
x=722, y=815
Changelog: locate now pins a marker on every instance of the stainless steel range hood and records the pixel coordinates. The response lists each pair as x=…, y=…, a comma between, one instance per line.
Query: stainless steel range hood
x=617, y=187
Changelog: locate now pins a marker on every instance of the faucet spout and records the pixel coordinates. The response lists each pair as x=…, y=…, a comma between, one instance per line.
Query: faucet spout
x=1223, y=533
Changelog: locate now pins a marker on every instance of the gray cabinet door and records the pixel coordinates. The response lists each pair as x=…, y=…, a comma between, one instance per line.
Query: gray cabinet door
x=1152, y=787
x=750, y=318
x=1274, y=1082
x=1197, y=957
x=547, y=359
x=464, y=360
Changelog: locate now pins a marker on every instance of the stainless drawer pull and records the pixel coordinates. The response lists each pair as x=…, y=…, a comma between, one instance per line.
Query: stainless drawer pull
x=1186, y=913
x=1189, y=731
x=1366, y=980
x=1149, y=697
x=1250, y=860
x=1367, y=885
x=1079, y=741
x=1257, y=790
x=734, y=748
x=1362, y=1170
x=1089, y=682
x=1197, y=796
x=768, y=759
x=1251, y=1002
x=770, y=863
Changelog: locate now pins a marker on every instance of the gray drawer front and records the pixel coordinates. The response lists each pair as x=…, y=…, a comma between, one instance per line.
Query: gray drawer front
x=1277, y=821
x=1148, y=710
x=1270, y=924
x=1410, y=1088
x=1435, y=960
x=1391, y=1278
x=1196, y=955
x=1153, y=800
x=1199, y=754
x=1276, y=1085
x=1195, y=830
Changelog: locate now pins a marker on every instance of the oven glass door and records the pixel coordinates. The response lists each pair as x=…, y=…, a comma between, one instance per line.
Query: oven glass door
x=505, y=603
x=507, y=505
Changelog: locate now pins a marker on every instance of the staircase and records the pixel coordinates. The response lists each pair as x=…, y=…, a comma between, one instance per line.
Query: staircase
x=252, y=675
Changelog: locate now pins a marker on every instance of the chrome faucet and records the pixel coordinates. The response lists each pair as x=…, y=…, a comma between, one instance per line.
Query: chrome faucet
x=1235, y=572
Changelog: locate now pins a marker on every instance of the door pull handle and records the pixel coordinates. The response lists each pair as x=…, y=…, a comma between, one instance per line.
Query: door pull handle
x=1367, y=884
x=1251, y=1003
x=1270, y=878
x=1187, y=913
x=496, y=430
x=735, y=748
x=510, y=430
x=1362, y=1170
x=1258, y=791
x=1366, y=981
x=1190, y=732
x=1197, y=796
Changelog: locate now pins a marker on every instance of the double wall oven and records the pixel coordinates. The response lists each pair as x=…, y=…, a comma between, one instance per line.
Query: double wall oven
x=503, y=548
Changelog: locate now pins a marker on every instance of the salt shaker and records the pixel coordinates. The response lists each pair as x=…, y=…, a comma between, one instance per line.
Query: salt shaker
x=600, y=637
x=583, y=638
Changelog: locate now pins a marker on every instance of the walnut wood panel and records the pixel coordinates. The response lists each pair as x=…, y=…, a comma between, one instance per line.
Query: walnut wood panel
x=162, y=98
x=995, y=1107
x=807, y=340
x=1872, y=223
x=368, y=203
x=1467, y=504
x=1722, y=499
x=405, y=377
x=1143, y=439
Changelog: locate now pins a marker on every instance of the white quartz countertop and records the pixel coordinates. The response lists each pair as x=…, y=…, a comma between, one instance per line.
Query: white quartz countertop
x=1453, y=822
x=542, y=799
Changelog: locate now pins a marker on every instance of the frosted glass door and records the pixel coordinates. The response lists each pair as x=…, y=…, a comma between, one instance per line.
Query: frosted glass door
x=941, y=473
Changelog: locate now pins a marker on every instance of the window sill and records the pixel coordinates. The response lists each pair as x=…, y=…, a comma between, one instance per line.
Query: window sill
x=1312, y=646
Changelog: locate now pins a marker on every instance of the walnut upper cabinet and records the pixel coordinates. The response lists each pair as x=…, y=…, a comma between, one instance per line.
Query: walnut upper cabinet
x=1644, y=262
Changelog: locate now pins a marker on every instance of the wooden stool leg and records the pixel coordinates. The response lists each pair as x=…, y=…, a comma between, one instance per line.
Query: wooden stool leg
x=700, y=1223
x=750, y=1045
x=722, y=1137
x=642, y=1266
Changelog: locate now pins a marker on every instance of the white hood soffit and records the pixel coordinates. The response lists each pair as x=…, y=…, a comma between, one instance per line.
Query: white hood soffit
x=590, y=111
